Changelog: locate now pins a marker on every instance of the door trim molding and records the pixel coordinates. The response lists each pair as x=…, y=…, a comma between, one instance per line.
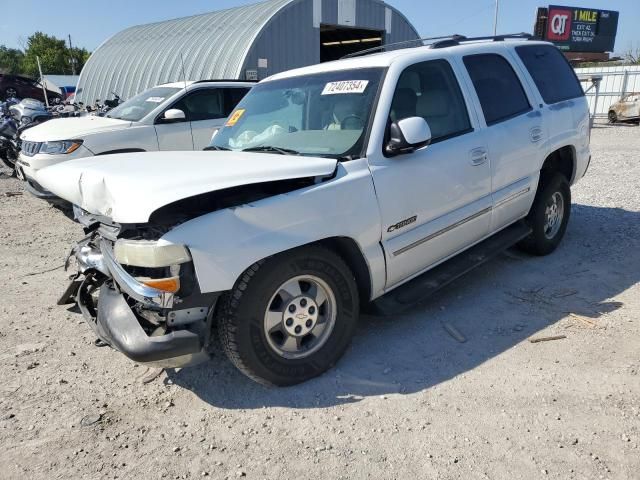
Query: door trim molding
x=513, y=196
x=442, y=231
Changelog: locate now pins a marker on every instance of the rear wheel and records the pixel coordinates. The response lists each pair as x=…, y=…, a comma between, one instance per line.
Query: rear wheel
x=10, y=93
x=290, y=317
x=549, y=215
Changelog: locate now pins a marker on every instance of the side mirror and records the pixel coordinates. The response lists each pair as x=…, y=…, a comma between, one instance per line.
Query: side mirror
x=408, y=135
x=173, y=115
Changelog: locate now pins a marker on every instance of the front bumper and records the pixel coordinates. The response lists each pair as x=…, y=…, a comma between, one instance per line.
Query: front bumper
x=111, y=300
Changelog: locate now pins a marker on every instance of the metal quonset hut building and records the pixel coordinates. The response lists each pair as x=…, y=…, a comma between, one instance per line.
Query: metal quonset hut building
x=247, y=42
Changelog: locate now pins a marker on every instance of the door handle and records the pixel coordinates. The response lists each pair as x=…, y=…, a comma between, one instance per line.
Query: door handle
x=478, y=156
x=536, y=134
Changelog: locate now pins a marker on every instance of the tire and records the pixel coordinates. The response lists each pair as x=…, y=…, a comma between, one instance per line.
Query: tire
x=10, y=92
x=260, y=303
x=547, y=232
x=613, y=117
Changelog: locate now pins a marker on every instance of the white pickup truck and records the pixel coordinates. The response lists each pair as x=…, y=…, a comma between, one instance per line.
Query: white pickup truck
x=172, y=116
x=330, y=188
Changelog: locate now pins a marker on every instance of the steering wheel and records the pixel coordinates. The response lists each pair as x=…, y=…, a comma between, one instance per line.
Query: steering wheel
x=352, y=118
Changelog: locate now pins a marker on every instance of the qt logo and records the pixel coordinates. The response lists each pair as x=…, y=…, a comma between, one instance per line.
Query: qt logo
x=559, y=25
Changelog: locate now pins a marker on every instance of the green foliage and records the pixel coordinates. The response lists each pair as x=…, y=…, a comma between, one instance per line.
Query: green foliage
x=52, y=52
x=56, y=58
x=10, y=60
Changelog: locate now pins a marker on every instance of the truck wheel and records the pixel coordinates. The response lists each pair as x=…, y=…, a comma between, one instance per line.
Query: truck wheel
x=548, y=216
x=291, y=317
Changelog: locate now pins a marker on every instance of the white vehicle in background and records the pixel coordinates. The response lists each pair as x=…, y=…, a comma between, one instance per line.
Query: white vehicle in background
x=371, y=179
x=173, y=116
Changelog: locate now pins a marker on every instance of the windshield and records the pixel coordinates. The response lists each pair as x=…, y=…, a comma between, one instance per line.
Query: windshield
x=142, y=104
x=325, y=114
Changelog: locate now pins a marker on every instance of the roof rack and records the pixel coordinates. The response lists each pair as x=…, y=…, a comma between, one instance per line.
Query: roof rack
x=441, y=42
x=226, y=80
x=458, y=39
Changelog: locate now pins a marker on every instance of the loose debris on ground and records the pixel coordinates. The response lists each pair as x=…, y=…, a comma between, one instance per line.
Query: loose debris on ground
x=408, y=400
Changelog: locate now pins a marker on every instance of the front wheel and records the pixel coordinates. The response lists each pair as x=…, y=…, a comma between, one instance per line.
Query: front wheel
x=291, y=317
x=549, y=215
x=613, y=117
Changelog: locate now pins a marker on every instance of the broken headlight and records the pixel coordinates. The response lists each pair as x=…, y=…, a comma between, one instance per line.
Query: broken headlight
x=156, y=264
x=148, y=253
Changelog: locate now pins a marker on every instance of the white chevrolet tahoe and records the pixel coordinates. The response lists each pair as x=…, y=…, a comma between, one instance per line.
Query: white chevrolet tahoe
x=173, y=116
x=368, y=181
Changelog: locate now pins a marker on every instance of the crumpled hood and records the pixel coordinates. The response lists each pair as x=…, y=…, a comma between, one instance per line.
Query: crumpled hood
x=129, y=187
x=74, y=128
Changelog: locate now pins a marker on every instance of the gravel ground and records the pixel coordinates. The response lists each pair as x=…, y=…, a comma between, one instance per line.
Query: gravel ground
x=406, y=401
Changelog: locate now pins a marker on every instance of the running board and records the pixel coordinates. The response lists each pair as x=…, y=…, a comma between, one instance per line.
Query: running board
x=418, y=289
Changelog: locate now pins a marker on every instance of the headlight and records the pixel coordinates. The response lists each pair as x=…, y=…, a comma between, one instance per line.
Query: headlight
x=146, y=253
x=62, y=147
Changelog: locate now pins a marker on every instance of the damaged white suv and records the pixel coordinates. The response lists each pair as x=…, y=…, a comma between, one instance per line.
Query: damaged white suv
x=330, y=187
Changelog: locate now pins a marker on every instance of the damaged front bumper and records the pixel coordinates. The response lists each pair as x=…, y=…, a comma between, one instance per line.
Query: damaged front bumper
x=148, y=325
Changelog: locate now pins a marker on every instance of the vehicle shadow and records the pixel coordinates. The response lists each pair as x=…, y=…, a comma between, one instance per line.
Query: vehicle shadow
x=495, y=307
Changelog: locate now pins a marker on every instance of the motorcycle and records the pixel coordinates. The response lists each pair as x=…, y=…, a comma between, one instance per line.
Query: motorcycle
x=30, y=112
x=9, y=139
x=113, y=103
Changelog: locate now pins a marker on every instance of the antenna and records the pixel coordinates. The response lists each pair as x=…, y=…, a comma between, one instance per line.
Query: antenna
x=184, y=77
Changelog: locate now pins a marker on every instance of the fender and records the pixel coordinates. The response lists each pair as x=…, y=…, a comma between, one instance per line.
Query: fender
x=223, y=244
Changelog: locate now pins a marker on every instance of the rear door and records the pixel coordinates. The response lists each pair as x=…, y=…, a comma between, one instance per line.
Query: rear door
x=514, y=133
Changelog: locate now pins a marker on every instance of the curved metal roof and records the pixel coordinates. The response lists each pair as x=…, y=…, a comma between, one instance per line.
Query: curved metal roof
x=216, y=45
x=213, y=45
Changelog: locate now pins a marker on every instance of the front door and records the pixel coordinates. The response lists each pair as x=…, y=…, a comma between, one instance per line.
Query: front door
x=174, y=135
x=436, y=201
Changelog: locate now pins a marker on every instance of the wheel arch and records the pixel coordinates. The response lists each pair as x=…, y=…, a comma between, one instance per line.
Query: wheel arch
x=347, y=248
x=562, y=160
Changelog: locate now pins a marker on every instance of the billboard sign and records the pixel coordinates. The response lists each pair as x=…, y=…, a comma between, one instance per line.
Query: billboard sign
x=575, y=29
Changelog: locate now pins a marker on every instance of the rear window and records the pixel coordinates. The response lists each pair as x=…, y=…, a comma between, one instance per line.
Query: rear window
x=551, y=73
x=499, y=90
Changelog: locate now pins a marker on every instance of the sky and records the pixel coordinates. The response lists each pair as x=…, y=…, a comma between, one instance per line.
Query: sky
x=90, y=22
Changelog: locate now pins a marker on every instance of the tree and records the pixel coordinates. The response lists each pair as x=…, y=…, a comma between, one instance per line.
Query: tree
x=10, y=60
x=53, y=54
x=55, y=57
x=632, y=56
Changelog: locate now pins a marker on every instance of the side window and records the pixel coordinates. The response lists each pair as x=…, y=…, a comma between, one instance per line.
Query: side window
x=232, y=97
x=430, y=90
x=498, y=87
x=551, y=72
x=205, y=104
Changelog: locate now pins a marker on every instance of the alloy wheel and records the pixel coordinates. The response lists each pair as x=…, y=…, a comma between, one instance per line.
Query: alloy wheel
x=553, y=214
x=300, y=317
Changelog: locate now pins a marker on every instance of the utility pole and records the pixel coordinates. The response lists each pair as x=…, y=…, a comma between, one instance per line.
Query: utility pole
x=72, y=59
x=495, y=19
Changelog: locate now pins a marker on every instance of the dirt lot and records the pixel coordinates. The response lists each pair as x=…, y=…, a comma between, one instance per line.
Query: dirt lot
x=407, y=400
